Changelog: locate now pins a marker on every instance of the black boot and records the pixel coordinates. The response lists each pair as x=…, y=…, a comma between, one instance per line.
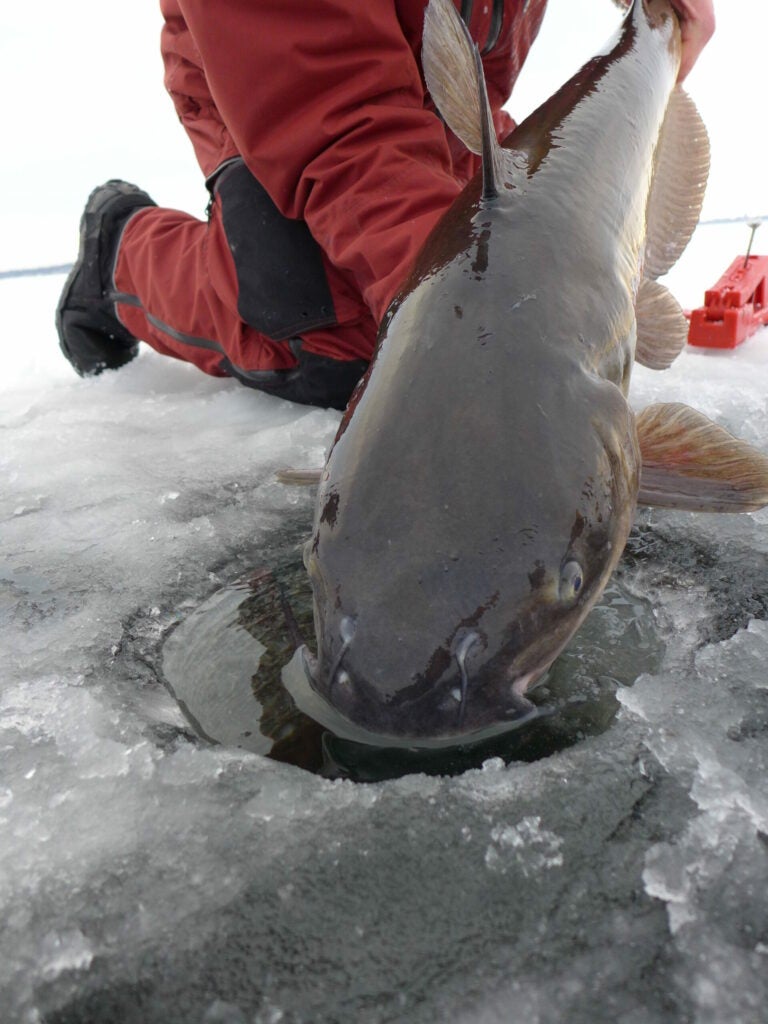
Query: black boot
x=90, y=335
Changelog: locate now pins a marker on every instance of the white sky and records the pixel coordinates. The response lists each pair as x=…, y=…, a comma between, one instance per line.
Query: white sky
x=84, y=101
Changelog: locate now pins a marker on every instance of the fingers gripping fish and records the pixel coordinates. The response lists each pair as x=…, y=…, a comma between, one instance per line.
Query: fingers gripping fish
x=484, y=478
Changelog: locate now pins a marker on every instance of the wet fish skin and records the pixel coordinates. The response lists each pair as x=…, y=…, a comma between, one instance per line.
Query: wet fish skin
x=490, y=458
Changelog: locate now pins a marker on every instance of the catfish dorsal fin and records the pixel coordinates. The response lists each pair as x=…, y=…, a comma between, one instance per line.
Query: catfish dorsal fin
x=454, y=75
x=491, y=151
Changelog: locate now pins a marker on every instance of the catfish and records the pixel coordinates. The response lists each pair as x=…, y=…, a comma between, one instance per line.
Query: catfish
x=485, y=475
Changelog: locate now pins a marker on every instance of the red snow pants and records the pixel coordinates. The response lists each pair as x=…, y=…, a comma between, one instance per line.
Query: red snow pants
x=327, y=166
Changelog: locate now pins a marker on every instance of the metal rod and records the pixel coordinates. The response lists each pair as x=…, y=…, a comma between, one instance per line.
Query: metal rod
x=754, y=225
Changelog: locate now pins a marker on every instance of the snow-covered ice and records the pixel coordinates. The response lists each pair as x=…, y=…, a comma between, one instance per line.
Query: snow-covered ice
x=146, y=876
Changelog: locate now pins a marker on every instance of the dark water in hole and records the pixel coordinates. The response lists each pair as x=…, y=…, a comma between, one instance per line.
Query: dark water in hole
x=223, y=664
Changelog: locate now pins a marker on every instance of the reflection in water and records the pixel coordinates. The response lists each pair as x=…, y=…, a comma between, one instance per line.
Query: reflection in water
x=223, y=664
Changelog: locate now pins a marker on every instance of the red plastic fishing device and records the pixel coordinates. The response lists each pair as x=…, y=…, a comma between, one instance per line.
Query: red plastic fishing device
x=735, y=308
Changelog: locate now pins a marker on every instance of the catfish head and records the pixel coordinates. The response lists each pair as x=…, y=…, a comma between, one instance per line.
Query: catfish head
x=435, y=614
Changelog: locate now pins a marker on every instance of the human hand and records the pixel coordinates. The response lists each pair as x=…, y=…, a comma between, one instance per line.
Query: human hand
x=697, y=23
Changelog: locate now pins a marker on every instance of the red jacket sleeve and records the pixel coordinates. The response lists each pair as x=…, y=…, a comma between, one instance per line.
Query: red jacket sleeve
x=325, y=103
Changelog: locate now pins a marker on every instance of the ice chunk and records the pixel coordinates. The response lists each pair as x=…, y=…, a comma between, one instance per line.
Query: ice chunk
x=533, y=848
x=64, y=951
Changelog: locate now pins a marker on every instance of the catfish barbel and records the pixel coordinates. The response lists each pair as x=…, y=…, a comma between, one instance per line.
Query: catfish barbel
x=484, y=478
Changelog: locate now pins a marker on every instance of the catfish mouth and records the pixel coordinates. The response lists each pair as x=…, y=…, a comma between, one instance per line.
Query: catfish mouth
x=469, y=697
x=431, y=721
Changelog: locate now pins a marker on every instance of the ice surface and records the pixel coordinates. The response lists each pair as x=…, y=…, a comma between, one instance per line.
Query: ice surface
x=147, y=876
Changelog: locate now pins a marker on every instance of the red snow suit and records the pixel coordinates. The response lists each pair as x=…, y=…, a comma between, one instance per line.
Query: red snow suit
x=316, y=113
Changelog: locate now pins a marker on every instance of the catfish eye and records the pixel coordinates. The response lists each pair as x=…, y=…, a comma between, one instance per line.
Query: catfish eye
x=571, y=582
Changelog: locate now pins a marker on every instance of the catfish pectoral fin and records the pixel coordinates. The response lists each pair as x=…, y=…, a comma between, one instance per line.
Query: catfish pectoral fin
x=681, y=168
x=299, y=477
x=693, y=464
x=662, y=329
